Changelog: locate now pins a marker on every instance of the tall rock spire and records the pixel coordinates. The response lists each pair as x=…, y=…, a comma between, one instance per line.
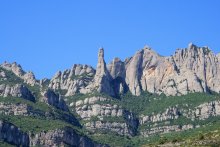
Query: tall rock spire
x=102, y=79
x=101, y=66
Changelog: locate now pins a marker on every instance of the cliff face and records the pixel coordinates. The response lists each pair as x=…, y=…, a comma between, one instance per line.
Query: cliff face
x=13, y=135
x=193, y=69
x=74, y=80
x=53, y=99
x=28, y=77
x=99, y=114
x=60, y=138
x=18, y=90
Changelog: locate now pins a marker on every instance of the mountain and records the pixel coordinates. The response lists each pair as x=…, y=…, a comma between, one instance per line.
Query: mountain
x=148, y=99
x=193, y=69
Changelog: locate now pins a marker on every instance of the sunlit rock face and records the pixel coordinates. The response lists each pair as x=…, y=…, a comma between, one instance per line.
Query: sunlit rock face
x=192, y=69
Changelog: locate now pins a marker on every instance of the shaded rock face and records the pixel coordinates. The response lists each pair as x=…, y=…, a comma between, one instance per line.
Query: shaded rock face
x=53, y=99
x=13, y=135
x=28, y=77
x=117, y=71
x=61, y=138
x=74, y=80
x=17, y=90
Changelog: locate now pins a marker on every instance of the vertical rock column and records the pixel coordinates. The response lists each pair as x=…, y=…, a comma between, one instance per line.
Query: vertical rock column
x=102, y=79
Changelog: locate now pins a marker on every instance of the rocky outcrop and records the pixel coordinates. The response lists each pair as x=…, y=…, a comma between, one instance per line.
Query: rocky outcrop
x=161, y=123
x=117, y=71
x=73, y=81
x=175, y=75
x=170, y=114
x=2, y=75
x=14, y=109
x=17, y=90
x=165, y=129
x=136, y=67
x=90, y=107
x=61, y=138
x=178, y=74
x=120, y=128
x=100, y=114
x=53, y=99
x=13, y=135
x=205, y=111
x=28, y=77
x=102, y=80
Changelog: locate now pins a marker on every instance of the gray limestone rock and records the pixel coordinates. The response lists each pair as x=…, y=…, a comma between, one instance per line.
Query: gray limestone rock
x=18, y=90
x=102, y=80
x=73, y=81
x=28, y=77
x=53, y=99
x=61, y=138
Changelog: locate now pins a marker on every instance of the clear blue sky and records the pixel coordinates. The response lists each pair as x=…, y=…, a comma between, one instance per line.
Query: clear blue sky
x=50, y=35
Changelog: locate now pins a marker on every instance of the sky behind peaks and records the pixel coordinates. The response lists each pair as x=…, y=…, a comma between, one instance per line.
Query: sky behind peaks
x=47, y=36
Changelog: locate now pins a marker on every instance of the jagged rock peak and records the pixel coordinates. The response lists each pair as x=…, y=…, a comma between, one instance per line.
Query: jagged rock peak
x=28, y=77
x=101, y=66
x=147, y=47
x=116, y=68
x=218, y=57
x=101, y=52
x=102, y=80
x=14, y=67
x=191, y=45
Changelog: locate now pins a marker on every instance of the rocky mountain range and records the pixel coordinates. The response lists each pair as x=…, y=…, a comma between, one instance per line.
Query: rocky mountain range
x=192, y=69
x=136, y=101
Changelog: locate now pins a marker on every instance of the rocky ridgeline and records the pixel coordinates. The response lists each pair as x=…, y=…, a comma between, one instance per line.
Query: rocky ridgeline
x=28, y=77
x=192, y=69
x=100, y=108
x=178, y=74
x=18, y=90
x=174, y=75
x=73, y=81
